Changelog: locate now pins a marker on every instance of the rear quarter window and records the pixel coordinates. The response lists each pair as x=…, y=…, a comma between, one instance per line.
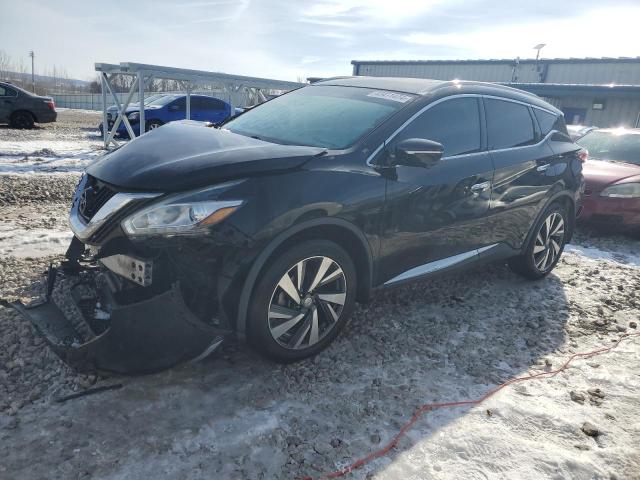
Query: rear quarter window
x=549, y=121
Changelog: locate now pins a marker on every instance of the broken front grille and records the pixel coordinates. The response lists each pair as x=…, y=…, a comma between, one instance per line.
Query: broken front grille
x=93, y=198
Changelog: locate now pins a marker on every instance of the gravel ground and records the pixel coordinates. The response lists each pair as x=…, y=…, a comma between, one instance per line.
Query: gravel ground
x=70, y=125
x=235, y=415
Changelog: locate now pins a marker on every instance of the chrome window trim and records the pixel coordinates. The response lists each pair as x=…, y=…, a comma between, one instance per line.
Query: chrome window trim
x=83, y=231
x=494, y=97
x=437, y=265
x=450, y=97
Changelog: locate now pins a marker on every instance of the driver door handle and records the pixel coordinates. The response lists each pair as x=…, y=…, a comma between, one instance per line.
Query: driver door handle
x=479, y=187
x=544, y=167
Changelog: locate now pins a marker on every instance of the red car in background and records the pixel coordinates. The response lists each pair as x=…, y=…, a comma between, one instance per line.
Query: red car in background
x=612, y=176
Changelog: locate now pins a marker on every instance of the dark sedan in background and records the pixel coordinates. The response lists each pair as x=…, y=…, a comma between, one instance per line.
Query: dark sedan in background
x=22, y=109
x=612, y=177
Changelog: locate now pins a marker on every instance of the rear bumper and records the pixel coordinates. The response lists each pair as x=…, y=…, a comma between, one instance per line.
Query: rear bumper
x=47, y=116
x=622, y=213
x=132, y=338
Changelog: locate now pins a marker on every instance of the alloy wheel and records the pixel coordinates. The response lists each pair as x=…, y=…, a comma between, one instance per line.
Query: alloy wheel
x=307, y=302
x=548, y=242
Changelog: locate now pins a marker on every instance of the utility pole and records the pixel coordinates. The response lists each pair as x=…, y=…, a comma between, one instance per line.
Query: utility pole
x=538, y=47
x=33, y=76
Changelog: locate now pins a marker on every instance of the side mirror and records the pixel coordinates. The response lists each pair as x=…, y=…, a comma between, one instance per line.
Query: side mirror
x=175, y=108
x=417, y=152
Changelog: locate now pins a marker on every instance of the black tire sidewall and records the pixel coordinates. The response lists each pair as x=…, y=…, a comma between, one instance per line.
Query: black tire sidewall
x=258, y=333
x=16, y=117
x=528, y=253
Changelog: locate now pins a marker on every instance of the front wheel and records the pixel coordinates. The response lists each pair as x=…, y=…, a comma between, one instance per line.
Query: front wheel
x=545, y=246
x=302, y=301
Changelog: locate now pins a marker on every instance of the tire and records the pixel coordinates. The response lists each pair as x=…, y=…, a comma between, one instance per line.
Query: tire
x=22, y=119
x=543, y=251
x=153, y=124
x=286, y=329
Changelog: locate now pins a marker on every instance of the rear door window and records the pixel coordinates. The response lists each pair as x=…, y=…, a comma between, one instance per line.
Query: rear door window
x=179, y=104
x=213, y=104
x=509, y=124
x=197, y=103
x=7, y=92
x=454, y=123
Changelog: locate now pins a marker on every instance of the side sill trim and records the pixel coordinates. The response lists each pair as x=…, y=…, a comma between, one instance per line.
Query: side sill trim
x=438, y=264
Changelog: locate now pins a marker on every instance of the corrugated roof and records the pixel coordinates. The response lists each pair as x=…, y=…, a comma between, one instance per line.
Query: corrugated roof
x=510, y=61
x=573, y=87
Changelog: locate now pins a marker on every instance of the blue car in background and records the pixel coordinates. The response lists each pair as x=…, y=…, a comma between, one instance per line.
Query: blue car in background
x=168, y=108
x=112, y=111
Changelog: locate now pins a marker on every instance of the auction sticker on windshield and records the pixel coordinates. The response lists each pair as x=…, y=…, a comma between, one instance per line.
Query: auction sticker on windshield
x=393, y=96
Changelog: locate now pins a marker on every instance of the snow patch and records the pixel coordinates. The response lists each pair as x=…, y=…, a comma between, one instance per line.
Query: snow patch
x=46, y=156
x=594, y=253
x=38, y=242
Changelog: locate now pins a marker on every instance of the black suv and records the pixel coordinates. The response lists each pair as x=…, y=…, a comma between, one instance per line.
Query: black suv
x=272, y=226
x=21, y=109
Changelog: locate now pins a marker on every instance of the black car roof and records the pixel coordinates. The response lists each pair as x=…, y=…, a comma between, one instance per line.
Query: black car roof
x=425, y=86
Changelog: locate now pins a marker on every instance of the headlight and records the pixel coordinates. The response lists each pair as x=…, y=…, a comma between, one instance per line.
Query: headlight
x=181, y=214
x=623, y=190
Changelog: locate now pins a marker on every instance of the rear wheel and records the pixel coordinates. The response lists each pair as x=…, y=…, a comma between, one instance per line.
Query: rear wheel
x=546, y=245
x=22, y=119
x=302, y=301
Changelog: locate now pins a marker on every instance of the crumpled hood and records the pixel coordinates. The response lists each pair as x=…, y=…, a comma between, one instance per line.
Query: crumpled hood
x=183, y=155
x=598, y=173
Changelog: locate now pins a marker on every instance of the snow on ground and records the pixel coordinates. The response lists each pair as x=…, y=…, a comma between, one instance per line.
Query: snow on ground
x=237, y=416
x=533, y=430
x=595, y=253
x=78, y=110
x=55, y=147
x=20, y=243
x=48, y=156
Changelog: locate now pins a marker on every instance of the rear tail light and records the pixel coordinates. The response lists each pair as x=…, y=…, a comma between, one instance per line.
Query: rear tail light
x=51, y=104
x=583, y=155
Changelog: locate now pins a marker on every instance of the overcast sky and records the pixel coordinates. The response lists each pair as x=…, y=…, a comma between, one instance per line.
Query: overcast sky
x=289, y=39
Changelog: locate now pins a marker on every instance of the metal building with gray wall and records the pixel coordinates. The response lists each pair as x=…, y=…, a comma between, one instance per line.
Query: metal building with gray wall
x=592, y=91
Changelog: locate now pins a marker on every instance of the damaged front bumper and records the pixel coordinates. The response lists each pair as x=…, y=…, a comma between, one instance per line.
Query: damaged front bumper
x=108, y=331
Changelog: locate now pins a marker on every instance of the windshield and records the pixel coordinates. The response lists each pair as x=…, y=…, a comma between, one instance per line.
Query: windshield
x=320, y=116
x=620, y=146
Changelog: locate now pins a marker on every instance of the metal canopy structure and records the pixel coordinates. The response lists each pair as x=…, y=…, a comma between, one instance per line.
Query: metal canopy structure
x=237, y=88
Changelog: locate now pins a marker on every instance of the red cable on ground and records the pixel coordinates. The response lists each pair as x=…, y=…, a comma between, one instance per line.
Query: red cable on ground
x=434, y=406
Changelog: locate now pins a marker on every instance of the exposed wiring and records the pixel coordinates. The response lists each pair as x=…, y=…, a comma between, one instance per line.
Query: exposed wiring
x=434, y=406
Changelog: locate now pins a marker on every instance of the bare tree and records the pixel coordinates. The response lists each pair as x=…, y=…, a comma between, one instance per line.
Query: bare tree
x=5, y=64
